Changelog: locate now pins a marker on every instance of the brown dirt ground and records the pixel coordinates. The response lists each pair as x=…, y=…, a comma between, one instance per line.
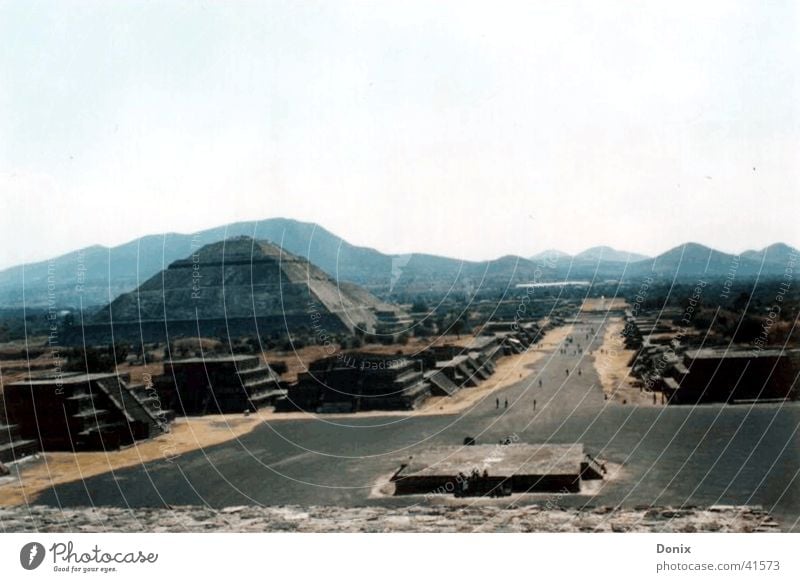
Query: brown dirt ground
x=612, y=367
x=593, y=304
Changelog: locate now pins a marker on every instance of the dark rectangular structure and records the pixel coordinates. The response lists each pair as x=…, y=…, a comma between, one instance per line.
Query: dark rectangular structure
x=230, y=384
x=13, y=446
x=358, y=381
x=521, y=468
x=730, y=375
x=80, y=412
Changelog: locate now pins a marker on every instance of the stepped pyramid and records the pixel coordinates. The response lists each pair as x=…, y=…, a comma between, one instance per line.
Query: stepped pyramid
x=78, y=411
x=234, y=288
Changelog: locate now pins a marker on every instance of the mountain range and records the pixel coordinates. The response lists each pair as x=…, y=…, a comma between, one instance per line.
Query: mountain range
x=96, y=275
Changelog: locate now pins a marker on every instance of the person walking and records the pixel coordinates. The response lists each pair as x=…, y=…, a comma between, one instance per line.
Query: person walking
x=506, y=403
x=497, y=403
x=534, y=405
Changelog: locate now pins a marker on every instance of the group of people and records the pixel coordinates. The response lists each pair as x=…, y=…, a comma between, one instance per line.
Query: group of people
x=505, y=403
x=562, y=350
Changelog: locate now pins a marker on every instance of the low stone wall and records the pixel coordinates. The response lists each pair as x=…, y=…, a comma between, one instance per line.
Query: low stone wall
x=474, y=518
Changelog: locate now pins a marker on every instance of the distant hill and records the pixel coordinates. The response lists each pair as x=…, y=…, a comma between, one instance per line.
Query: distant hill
x=695, y=261
x=550, y=254
x=594, y=264
x=603, y=253
x=776, y=254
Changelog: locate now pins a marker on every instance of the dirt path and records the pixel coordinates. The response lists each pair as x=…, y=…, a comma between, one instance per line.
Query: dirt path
x=611, y=363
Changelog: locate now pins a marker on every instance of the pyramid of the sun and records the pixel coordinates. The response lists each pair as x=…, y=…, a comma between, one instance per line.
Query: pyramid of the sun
x=235, y=288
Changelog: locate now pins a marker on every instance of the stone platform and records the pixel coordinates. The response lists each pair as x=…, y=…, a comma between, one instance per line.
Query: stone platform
x=494, y=470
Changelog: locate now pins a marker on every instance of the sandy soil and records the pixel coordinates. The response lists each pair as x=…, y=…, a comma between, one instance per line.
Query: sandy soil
x=611, y=363
x=593, y=304
x=13, y=370
x=187, y=434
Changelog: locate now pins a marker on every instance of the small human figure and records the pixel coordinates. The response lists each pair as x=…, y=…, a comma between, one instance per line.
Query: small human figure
x=497, y=403
x=540, y=383
x=534, y=405
x=566, y=372
x=506, y=403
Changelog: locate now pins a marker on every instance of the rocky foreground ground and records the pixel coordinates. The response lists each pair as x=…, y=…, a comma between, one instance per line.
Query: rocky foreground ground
x=475, y=518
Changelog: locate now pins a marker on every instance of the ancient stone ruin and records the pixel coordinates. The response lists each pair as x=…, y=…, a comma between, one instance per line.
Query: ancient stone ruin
x=81, y=412
x=230, y=384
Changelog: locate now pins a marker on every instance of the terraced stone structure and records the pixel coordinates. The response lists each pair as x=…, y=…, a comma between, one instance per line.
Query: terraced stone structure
x=81, y=412
x=231, y=384
x=358, y=381
x=239, y=287
x=733, y=374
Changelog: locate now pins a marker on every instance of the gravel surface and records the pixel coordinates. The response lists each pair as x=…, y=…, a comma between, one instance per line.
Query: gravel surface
x=530, y=518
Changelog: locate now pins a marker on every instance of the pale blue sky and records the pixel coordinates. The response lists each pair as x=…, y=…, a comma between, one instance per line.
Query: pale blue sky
x=470, y=130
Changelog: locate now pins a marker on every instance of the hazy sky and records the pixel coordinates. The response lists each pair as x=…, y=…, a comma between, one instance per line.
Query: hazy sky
x=465, y=130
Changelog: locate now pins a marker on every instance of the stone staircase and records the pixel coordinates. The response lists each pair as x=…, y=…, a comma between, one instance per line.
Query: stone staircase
x=142, y=422
x=213, y=385
x=147, y=395
x=441, y=385
x=262, y=385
